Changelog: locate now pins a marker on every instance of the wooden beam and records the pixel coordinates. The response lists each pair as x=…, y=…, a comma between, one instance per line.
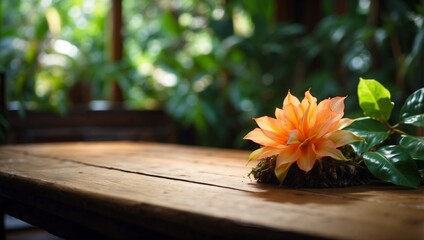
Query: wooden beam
x=116, y=45
x=341, y=7
x=2, y=94
x=305, y=12
x=82, y=124
x=3, y=109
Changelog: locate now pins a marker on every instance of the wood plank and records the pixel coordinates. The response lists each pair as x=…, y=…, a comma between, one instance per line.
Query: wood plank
x=175, y=205
x=220, y=167
x=122, y=195
x=223, y=167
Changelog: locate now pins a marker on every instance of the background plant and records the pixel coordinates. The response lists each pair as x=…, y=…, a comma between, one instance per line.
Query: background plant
x=221, y=75
x=211, y=65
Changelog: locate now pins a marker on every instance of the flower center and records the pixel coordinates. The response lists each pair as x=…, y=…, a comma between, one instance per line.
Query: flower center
x=305, y=143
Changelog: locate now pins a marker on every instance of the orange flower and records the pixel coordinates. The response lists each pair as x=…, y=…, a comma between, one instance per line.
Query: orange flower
x=302, y=132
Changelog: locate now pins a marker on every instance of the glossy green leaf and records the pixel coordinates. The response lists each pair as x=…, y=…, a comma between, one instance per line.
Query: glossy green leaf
x=393, y=164
x=412, y=111
x=374, y=99
x=417, y=120
x=371, y=130
x=414, y=146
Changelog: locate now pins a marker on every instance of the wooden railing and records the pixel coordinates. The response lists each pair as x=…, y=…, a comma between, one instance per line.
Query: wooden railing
x=83, y=124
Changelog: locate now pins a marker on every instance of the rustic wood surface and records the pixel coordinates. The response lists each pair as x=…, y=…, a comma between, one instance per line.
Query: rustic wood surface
x=133, y=190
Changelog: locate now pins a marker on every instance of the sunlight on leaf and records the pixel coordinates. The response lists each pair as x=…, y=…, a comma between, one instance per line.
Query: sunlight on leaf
x=53, y=20
x=412, y=111
x=374, y=99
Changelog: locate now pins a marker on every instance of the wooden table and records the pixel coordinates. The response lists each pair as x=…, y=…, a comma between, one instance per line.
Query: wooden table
x=145, y=190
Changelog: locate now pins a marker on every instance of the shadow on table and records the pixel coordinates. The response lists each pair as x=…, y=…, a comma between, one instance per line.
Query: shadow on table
x=376, y=191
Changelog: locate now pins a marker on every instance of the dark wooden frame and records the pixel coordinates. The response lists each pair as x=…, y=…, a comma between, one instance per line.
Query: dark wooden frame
x=83, y=124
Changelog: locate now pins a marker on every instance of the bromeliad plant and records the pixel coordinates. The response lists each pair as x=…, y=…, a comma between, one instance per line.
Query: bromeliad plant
x=310, y=144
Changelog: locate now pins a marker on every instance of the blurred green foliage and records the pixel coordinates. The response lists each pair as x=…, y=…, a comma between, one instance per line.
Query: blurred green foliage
x=49, y=46
x=210, y=64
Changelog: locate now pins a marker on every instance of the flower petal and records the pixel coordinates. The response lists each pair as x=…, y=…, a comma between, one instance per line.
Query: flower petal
x=272, y=128
x=329, y=125
x=307, y=158
x=258, y=136
x=268, y=123
x=304, y=122
x=263, y=152
x=342, y=137
x=344, y=122
x=337, y=104
x=275, y=136
x=279, y=114
x=255, y=154
x=327, y=148
x=290, y=99
x=281, y=171
x=308, y=100
x=291, y=115
x=288, y=154
x=336, y=154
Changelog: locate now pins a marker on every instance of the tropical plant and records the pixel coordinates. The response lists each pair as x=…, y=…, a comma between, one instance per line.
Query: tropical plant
x=390, y=153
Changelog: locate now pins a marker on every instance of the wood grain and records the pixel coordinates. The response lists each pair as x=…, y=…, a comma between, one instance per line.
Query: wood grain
x=194, y=192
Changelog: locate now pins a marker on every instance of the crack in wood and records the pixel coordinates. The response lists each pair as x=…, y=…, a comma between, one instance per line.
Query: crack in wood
x=126, y=171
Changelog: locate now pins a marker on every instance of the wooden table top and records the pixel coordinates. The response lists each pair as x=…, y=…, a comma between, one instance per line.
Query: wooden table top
x=120, y=188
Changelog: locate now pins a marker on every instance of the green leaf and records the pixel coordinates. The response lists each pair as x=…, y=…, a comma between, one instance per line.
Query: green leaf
x=417, y=120
x=412, y=112
x=374, y=99
x=393, y=164
x=41, y=29
x=170, y=24
x=414, y=146
x=371, y=130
